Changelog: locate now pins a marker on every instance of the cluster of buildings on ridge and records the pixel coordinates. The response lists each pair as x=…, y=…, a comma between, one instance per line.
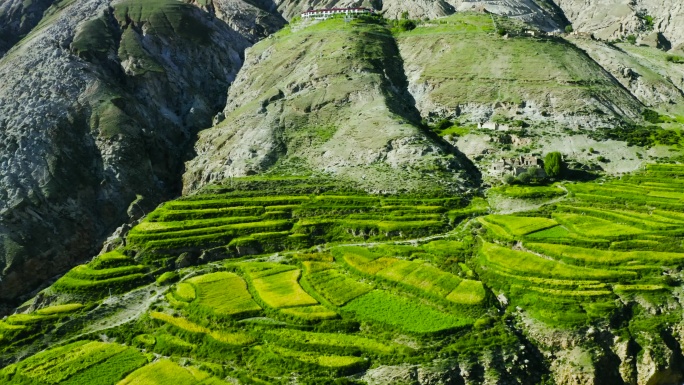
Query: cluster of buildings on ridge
x=516, y=165
x=323, y=14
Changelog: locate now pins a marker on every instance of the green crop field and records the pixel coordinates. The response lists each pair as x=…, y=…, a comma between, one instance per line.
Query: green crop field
x=310, y=313
x=583, y=256
x=110, y=272
x=414, y=275
x=283, y=290
x=336, y=287
x=335, y=342
x=184, y=325
x=223, y=294
x=408, y=315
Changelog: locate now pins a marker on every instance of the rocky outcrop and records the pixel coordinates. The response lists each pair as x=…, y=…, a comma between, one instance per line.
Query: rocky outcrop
x=98, y=104
x=338, y=104
x=654, y=81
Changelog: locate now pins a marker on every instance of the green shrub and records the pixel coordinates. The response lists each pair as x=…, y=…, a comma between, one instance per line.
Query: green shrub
x=407, y=25
x=651, y=116
x=554, y=166
x=675, y=59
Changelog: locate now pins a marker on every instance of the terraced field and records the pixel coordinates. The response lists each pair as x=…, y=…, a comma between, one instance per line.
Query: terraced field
x=242, y=224
x=109, y=273
x=329, y=290
x=573, y=263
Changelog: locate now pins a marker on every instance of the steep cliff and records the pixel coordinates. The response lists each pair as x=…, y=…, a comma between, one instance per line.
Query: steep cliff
x=98, y=105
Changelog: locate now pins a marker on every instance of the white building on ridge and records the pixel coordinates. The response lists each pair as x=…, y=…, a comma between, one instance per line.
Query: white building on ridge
x=322, y=14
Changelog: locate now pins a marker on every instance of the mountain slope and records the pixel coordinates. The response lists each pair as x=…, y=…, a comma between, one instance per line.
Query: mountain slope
x=98, y=104
x=461, y=66
x=645, y=71
x=337, y=104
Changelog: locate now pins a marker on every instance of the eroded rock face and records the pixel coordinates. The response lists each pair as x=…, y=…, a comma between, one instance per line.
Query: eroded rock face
x=657, y=84
x=97, y=107
x=615, y=19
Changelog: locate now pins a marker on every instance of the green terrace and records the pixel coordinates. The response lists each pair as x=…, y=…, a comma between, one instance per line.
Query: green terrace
x=576, y=262
x=242, y=225
x=109, y=273
x=329, y=282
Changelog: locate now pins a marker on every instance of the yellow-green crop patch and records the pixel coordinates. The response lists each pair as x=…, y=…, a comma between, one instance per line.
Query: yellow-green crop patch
x=528, y=192
x=185, y=292
x=59, y=309
x=521, y=225
x=223, y=293
x=60, y=365
x=468, y=292
x=310, y=313
x=347, y=343
x=164, y=372
x=643, y=221
x=183, y=324
x=595, y=227
x=324, y=360
x=262, y=269
x=525, y=263
x=282, y=290
x=418, y=275
x=494, y=229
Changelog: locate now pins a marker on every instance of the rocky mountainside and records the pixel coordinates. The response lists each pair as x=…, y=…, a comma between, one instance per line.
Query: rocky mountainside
x=98, y=104
x=17, y=19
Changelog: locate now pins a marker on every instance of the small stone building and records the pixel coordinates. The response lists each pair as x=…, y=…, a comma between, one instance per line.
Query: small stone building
x=494, y=126
x=517, y=165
